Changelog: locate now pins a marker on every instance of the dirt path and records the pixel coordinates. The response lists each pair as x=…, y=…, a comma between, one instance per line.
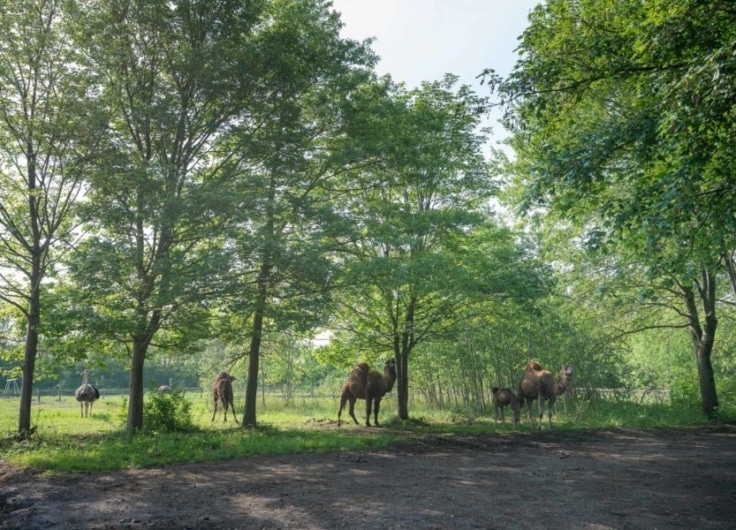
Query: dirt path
x=623, y=479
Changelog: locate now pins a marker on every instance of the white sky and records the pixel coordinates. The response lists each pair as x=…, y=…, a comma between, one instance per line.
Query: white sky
x=421, y=40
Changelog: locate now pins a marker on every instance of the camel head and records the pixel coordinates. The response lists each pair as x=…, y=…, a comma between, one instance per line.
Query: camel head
x=564, y=379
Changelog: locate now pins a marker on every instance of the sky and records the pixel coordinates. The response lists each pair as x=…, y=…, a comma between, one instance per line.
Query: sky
x=421, y=40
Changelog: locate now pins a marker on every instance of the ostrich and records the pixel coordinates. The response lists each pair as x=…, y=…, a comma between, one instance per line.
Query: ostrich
x=503, y=397
x=165, y=389
x=371, y=385
x=222, y=389
x=540, y=384
x=86, y=394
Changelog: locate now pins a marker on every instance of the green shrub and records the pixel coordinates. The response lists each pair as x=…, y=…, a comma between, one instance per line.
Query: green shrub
x=170, y=412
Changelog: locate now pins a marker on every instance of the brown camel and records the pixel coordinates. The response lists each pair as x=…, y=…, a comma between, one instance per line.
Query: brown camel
x=371, y=385
x=540, y=384
x=503, y=397
x=222, y=389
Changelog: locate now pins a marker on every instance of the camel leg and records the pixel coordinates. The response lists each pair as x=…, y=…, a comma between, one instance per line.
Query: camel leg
x=351, y=408
x=540, y=402
x=503, y=418
x=550, y=408
x=529, y=410
x=232, y=406
x=368, y=407
x=375, y=411
x=224, y=406
x=343, y=400
x=214, y=412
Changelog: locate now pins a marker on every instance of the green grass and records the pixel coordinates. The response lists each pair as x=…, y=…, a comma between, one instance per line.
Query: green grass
x=65, y=442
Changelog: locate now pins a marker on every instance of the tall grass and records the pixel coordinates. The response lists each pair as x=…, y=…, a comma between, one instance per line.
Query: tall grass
x=64, y=441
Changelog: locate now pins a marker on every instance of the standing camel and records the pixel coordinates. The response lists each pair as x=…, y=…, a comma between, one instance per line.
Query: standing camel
x=86, y=394
x=540, y=384
x=222, y=390
x=503, y=397
x=371, y=385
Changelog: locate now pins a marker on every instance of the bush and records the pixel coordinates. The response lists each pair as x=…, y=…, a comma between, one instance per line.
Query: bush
x=169, y=412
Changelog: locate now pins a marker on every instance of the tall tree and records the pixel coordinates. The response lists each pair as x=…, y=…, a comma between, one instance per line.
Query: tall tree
x=176, y=77
x=622, y=115
x=46, y=132
x=423, y=252
x=287, y=147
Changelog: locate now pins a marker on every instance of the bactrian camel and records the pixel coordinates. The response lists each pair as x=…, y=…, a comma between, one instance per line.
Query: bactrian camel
x=503, y=397
x=86, y=394
x=541, y=385
x=371, y=385
x=222, y=390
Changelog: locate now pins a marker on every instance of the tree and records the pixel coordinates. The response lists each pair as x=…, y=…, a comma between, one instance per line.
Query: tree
x=287, y=149
x=46, y=134
x=622, y=118
x=175, y=77
x=423, y=255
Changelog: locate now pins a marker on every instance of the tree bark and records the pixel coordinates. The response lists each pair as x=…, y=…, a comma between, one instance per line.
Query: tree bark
x=404, y=342
x=31, y=349
x=34, y=302
x=251, y=388
x=402, y=385
x=135, y=386
x=703, y=336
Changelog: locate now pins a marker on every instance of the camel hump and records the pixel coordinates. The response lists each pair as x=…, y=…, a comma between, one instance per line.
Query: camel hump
x=495, y=390
x=534, y=366
x=224, y=376
x=362, y=367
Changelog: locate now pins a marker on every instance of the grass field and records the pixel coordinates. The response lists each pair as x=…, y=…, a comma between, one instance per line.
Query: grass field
x=64, y=441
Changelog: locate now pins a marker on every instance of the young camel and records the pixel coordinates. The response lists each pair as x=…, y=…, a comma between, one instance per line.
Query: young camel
x=371, y=385
x=540, y=384
x=222, y=389
x=503, y=397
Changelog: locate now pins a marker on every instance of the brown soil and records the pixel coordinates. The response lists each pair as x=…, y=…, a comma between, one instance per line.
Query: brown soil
x=620, y=479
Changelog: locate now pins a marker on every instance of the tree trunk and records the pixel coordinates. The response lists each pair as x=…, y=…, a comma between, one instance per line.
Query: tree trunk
x=135, y=385
x=251, y=388
x=703, y=337
x=403, y=344
x=402, y=385
x=31, y=349
x=34, y=303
